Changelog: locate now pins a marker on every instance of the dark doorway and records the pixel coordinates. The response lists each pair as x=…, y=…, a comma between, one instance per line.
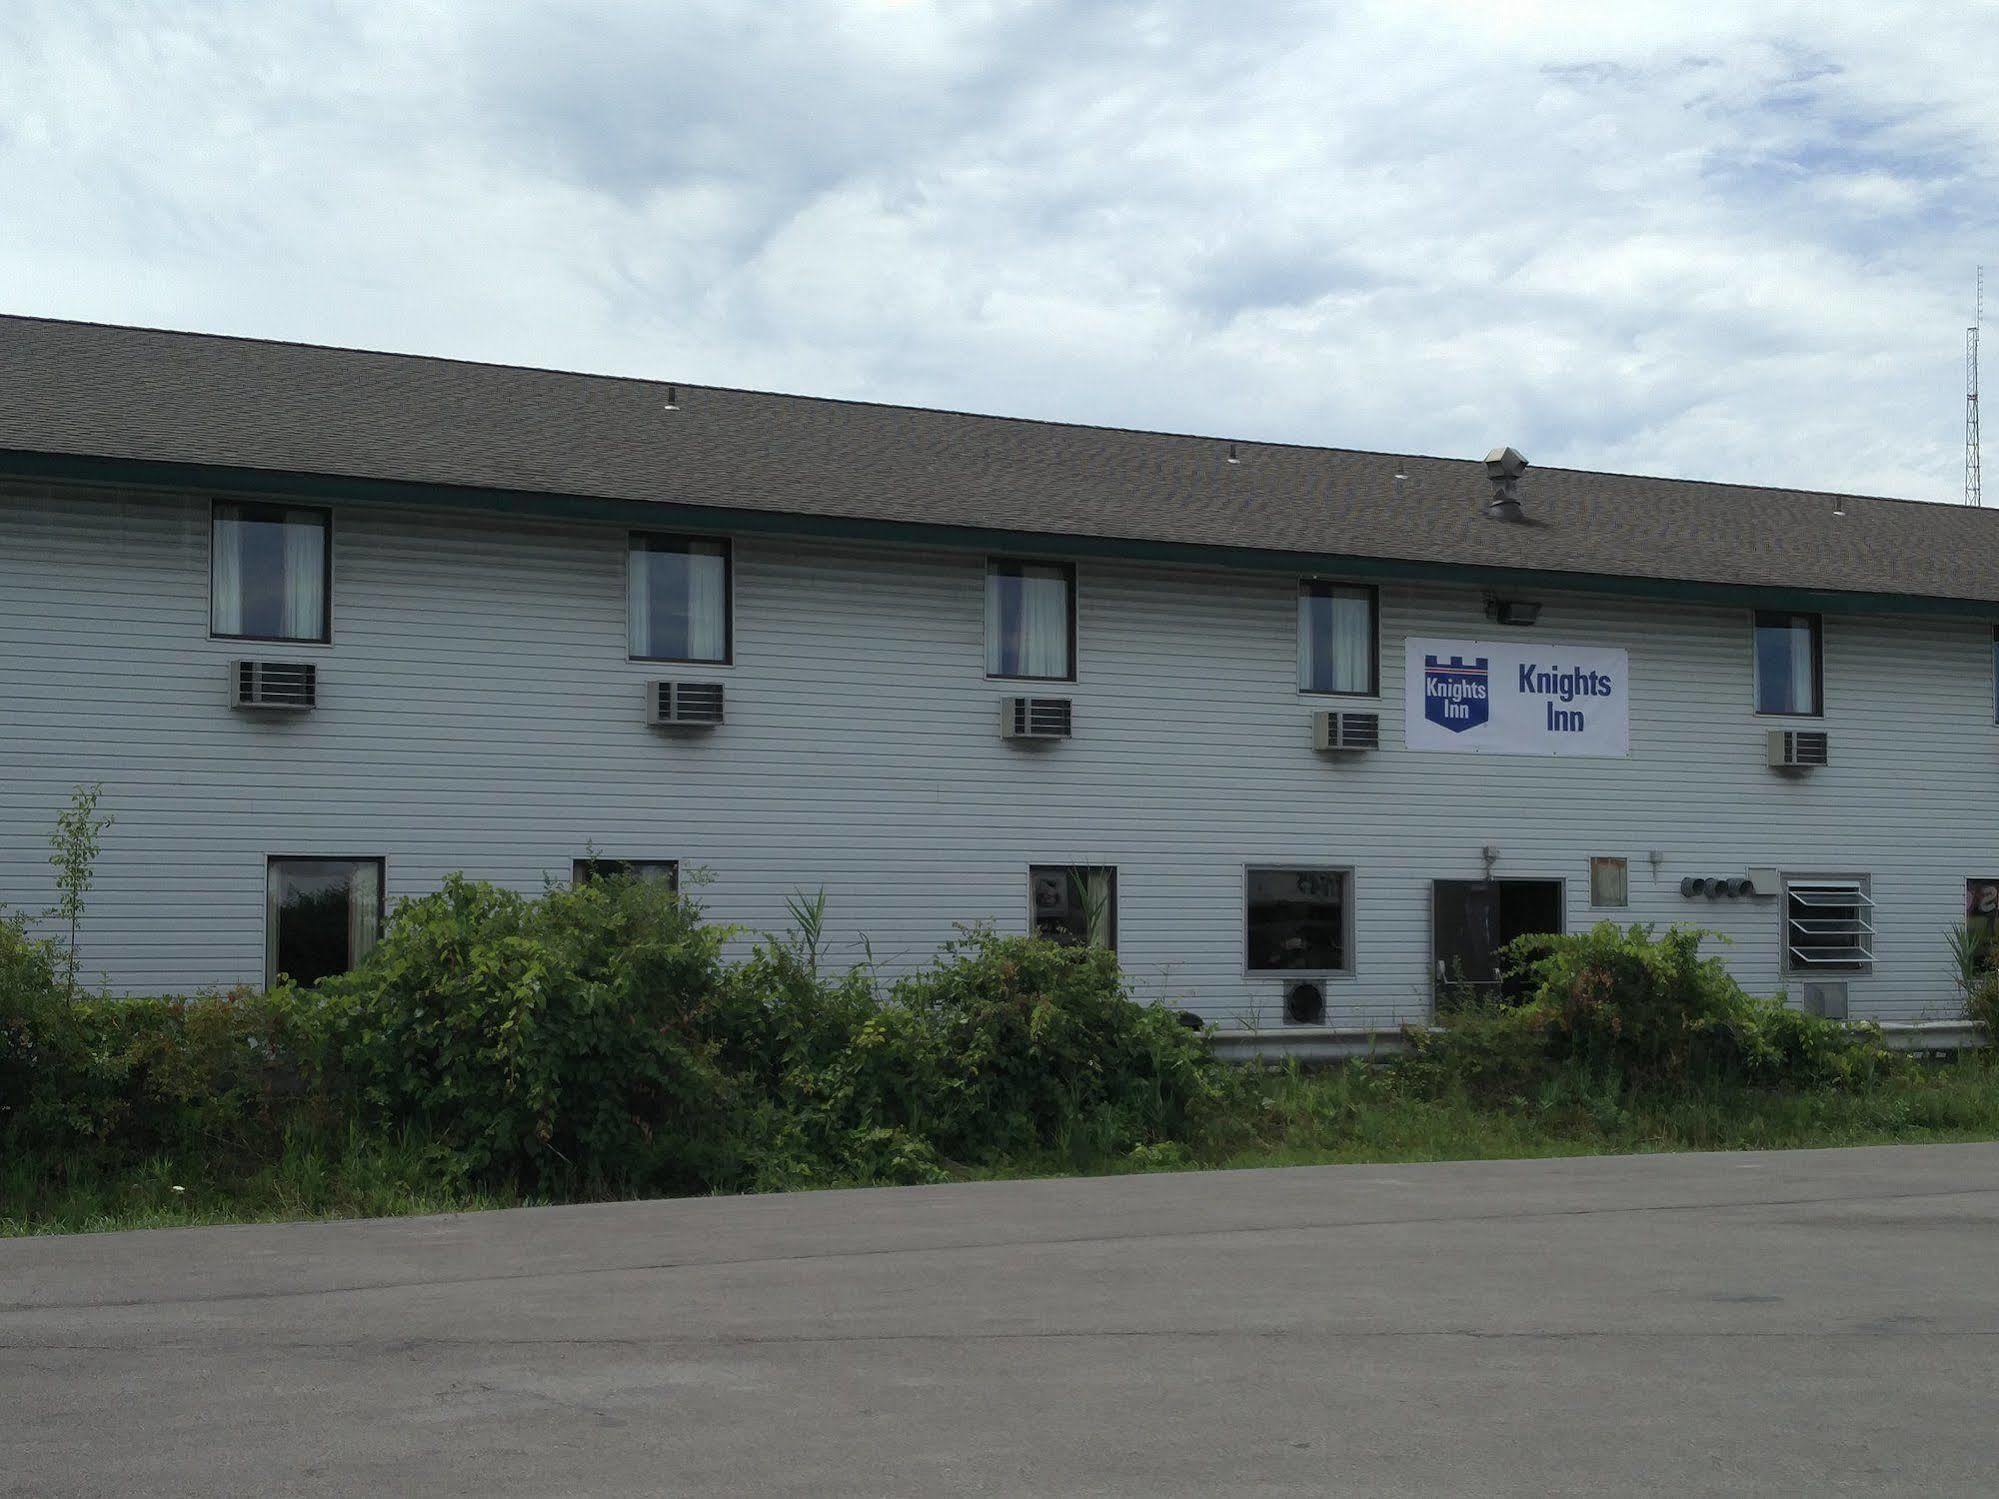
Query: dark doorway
x=1471, y=921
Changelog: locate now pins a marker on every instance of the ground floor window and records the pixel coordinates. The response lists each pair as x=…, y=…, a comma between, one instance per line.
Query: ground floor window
x=1074, y=904
x=1828, y=925
x=324, y=917
x=657, y=871
x=1299, y=920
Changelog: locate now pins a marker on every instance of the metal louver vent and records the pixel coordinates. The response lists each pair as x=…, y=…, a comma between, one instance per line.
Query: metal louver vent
x=1035, y=718
x=1355, y=732
x=292, y=685
x=1798, y=749
x=683, y=705
x=1827, y=924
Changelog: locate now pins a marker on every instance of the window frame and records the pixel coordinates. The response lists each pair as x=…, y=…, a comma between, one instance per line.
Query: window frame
x=1348, y=919
x=1818, y=664
x=626, y=866
x=1373, y=591
x=995, y=565
x=325, y=513
x=728, y=545
x=381, y=863
x=1803, y=972
x=1072, y=870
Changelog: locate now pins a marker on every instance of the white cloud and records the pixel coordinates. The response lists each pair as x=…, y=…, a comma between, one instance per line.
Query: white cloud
x=1730, y=242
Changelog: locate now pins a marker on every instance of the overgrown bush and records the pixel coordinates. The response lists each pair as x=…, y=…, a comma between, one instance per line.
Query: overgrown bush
x=595, y=1036
x=1648, y=1011
x=572, y=1037
x=39, y=1050
x=840, y=1080
x=1981, y=1003
x=1041, y=1047
x=596, y=1040
x=129, y=1077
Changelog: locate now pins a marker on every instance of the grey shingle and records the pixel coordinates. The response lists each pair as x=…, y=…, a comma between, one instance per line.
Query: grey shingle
x=89, y=390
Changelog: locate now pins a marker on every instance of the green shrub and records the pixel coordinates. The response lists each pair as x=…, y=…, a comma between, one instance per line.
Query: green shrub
x=1040, y=1047
x=41, y=1051
x=1648, y=1011
x=1981, y=1003
x=123, y=1078
x=571, y=1038
x=840, y=1078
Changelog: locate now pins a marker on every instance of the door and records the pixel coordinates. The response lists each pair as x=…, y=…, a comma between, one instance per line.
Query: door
x=1464, y=940
x=1471, y=921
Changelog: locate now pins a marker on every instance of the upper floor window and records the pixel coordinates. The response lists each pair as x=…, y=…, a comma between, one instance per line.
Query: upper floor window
x=679, y=598
x=1031, y=619
x=1789, y=663
x=1336, y=639
x=268, y=571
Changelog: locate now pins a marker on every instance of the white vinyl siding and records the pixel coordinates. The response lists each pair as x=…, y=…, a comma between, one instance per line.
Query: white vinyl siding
x=480, y=713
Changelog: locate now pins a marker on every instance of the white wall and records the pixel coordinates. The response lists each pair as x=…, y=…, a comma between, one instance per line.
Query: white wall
x=478, y=713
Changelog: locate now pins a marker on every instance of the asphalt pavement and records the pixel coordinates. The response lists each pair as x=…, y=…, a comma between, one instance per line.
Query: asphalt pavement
x=1809, y=1322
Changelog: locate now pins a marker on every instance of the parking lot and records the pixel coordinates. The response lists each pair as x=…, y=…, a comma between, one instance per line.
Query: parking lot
x=1800, y=1323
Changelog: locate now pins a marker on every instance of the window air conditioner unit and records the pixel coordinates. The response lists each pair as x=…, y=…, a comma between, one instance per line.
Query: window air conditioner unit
x=1035, y=718
x=1797, y=749
x=1346, y=731
x=291, y=686
x=683, y=705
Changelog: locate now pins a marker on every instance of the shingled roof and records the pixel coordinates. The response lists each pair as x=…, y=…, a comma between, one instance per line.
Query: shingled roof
x=90, y=391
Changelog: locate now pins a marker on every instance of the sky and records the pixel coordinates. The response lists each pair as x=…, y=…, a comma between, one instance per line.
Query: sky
x=1730, y=241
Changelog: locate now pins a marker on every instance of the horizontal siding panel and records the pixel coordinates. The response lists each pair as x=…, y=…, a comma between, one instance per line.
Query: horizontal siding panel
x=479, y=714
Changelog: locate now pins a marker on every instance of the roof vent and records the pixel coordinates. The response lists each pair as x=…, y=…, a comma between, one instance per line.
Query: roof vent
x=1504, y=466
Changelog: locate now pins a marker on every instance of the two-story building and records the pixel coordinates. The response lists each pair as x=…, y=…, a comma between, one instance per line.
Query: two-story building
x=1306, y=733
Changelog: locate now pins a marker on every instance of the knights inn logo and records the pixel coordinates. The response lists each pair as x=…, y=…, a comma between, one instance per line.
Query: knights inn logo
x=1456, y=694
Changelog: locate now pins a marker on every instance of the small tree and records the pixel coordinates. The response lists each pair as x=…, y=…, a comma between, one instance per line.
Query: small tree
x=75, y=844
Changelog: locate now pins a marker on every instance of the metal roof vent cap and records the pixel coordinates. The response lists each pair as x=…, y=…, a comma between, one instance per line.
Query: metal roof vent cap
x=1504, y=466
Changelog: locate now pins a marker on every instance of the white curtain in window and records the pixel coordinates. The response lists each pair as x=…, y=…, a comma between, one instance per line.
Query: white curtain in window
x=225, y=601
x=1335, y=639
x=1353, y=640
x=364, y=912
x=305, y=575
x=1044, y=622
x=638, y=590
x=1803, y=683
x=707, y=601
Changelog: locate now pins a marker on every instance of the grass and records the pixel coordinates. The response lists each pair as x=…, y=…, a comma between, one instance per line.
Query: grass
x=1292, y=1117
x=314, y=1176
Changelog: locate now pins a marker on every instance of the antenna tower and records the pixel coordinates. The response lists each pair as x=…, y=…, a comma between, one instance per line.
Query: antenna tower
x=1974, y=488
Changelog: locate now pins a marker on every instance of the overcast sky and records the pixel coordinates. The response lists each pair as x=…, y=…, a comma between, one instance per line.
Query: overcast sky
x=1732, y=240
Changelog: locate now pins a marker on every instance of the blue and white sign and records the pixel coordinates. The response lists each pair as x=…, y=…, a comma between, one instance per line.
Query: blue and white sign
x=1482, y=697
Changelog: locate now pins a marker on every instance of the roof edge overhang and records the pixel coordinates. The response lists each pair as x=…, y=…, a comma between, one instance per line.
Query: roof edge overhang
x=158, y=474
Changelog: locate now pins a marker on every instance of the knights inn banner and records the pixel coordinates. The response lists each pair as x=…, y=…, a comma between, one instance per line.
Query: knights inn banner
x=1478, y=697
